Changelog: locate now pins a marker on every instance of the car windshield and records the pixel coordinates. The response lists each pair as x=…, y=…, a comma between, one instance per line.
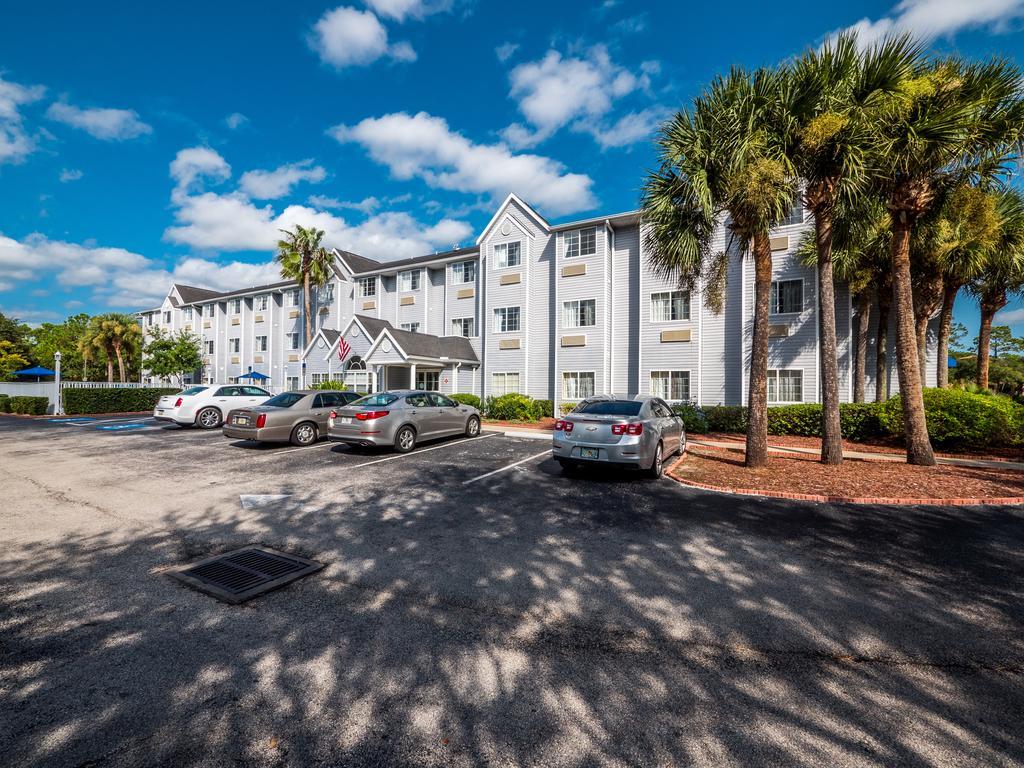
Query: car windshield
x=381, y=398
x=285, y=399
x=193, y=390
x=611, y=408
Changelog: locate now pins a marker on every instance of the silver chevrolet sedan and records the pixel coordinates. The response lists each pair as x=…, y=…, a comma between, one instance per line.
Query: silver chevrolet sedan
x=608, y=430
x=299, y=417
x=402, y=418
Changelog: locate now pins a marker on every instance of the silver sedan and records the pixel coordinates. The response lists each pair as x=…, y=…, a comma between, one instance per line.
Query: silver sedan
x=402, y=419
x=299, y=417
x=606, y=430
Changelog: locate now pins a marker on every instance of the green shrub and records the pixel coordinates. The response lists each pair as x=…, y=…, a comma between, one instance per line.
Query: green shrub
x=467, y=399
x=544, y=409
x=861, y=421
x=694, y=418
x=566, y=408
x=803, y=419
x=113, y=399
x=5, y=404
x=339, y=385
x=511, y=407
x=957, y=418
x=726, y=418
x=34, y=406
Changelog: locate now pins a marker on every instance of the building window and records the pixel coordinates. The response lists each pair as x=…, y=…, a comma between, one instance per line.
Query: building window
x=581, y=242
x=670, y=305
x=292, y=382
x=294, y=298
x=187, y=314
x=413, y=327
x=367, y=287
x=785, y=386
x=235, y=345
x=236, y=306
x=261, y=344
x=671, y=385
x=508, y=255
x=577, y=385
x=506, y=319
x=430, y=380
x=463, y=326
x=463, y=272
x=325, y=294
x=409, y=280
x=787, y=297
x=795, y=215
x=167, y=318
x=261, y=303
x=504, y=383
x=209, y=347
x=317, y=378
x=293, y=339
x=579, y=314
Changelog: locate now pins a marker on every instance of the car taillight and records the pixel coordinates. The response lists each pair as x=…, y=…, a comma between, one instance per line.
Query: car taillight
x=178, y=404
x=368, y=415
x=261, y=421
x=563, y=426
x=628, y=429
x=334, y=414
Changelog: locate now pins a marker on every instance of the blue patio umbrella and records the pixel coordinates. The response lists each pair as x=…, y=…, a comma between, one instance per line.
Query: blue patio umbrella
x=38, y=371
x=952, y=363
x=255, y=376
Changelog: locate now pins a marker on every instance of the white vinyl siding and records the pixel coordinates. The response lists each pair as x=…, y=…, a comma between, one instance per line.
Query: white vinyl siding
x=506, y=319
x=508, y=255
x=581, y=313
x=577, y=385
x=504, y=383
x=787, y=297
x=463, y=272
x=581, y=242
x=670, y=385
x=367, y=287
x=464, y=326
x=785, y=386
x=409, y=280
x=669, y=306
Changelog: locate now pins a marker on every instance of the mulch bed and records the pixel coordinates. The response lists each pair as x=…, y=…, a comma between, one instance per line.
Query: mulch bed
x=543, y=424
x=874, y=446
x=853, y=480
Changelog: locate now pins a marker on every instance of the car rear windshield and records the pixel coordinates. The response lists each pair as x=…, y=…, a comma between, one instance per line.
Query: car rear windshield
x=285, y=399
x=193, y=390
x=381, y=398
x=611, y=408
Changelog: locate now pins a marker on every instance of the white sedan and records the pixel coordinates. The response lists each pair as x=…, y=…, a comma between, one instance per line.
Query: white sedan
x=207, y=406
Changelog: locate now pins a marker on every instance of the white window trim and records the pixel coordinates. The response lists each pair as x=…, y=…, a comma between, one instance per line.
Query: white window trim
x=361, y=281
x=398, y=280
x=494, y=319
x=506, y=373
x=579, y=301
x=785, y=370
x=803, y=297
x=579, y=233
x=497, y=263
x=463, y=282
x=670, y=371
x=650, y=307
x=566, y=397
x=462, y=319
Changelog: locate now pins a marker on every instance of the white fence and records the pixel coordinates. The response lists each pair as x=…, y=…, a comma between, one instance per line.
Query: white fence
x=104, y=385
x=48, y=389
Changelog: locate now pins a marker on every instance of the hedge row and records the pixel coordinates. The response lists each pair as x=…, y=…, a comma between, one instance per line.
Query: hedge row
x=113, y=399
x=35, y=406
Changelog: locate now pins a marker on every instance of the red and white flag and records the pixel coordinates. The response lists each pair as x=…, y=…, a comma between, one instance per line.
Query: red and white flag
x=343, y=350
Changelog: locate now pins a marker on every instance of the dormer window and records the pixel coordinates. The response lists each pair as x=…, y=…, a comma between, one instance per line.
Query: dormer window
x=581, y=242
x=409, y=280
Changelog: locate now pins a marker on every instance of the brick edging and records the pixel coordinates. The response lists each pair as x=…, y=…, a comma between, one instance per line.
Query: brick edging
x=895, y=501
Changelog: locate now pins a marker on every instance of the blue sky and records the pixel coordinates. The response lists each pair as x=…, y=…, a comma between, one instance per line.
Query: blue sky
x=139, y=146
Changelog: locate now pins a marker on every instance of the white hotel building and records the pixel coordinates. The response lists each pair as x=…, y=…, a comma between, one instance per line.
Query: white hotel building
x=555, y=311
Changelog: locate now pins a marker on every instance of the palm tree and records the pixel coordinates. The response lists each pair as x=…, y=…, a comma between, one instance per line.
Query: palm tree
x=1003, y=273
x=724, y=158
x=835, y=91
x=99, y=337
x=949, y=119
x=304, y=260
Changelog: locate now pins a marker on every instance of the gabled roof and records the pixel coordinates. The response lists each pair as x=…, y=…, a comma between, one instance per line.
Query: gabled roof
x=537, y=218
x=192, y=295
x=355, y=262
x=616, y=219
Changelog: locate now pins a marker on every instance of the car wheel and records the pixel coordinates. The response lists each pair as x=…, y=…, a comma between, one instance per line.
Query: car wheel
x=208, y=418
x=473, y=427
x=405, y=440
x=657, y=468
x=304, y=434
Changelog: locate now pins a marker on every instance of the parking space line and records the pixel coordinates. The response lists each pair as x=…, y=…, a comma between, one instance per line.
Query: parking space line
x=508, y=467
x=418, y=451
x=279, y=451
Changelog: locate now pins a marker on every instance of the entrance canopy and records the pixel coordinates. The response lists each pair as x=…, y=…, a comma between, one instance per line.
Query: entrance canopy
x=255, y=376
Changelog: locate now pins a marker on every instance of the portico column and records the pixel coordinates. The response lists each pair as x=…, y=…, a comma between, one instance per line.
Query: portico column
x=412, y=376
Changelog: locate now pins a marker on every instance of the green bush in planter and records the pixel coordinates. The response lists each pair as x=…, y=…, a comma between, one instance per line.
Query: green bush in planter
x=957, y=419
x=33, y=406
x=726, y=418
x=5, y=404
x=861, y=421
x=544, y=409
x=511, y=407
x=694, y=418
x=566, y=408
x=467, y=399
x=338, y=385
x=114, y=399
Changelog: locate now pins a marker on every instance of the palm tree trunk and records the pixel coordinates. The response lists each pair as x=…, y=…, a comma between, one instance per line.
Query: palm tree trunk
x=831, y=432
x=882, y=347
x=990, y=304
x=120, y=362
x=919, y=448
x=945, y=325
x=110, y=366
x=757, y=399
x=308, y=301
x=861, y=350
x=925, y=304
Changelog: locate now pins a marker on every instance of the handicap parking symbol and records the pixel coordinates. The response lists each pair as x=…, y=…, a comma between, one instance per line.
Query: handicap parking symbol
x=75, y=420
x=119, y=427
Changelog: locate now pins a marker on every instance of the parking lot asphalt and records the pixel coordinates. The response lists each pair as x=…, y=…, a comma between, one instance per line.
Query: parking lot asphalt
x=479, y=608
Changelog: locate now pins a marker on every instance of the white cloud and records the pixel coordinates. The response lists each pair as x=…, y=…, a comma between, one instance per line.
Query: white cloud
x=423, y=146
x=236, y=120
x=628, y=129
x=399, y=10
x=1010, y=317
x=270, y=185
x=506, y=51
x=557, y=91
x=346, y=37
x=929, y=19
x=15, y=143
x=100, y=123
x=70, y=174
x=31, y=317
x=367, y=205
x=190, y=167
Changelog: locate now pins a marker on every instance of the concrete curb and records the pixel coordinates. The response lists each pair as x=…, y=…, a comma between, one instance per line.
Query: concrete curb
x=529, y=434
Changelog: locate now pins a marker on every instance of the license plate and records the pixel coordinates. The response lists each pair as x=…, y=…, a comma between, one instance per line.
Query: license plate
x=159, y=411
x=589, y=453
x=242, y=420
x=345, y=419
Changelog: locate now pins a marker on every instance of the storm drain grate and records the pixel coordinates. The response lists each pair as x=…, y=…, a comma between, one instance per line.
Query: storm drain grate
x=242, y=574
